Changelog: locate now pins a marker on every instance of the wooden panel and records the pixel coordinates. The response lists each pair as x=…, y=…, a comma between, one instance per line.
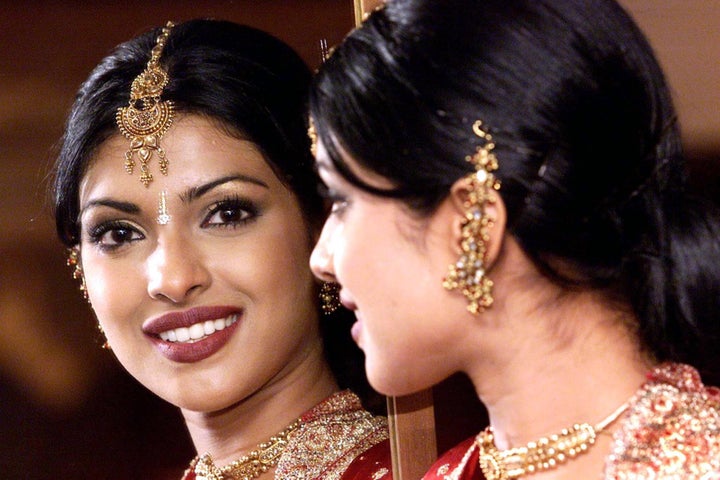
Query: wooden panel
x=412, y=434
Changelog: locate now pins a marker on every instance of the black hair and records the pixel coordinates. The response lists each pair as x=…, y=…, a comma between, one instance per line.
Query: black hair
x=254, y=87
x=588, y=144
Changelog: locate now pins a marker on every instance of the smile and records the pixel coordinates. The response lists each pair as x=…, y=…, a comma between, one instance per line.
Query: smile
x=193, y=335
x=198, y=331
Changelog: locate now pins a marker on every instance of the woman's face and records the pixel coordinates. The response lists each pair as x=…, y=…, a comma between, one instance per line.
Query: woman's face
x=218, y=302
x=390, y=266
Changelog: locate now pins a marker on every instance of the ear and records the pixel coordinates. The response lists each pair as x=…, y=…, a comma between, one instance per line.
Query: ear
x=494, y=210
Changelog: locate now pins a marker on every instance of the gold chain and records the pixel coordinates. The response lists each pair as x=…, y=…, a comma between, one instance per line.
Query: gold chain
x=544, y=454
x=248, y=467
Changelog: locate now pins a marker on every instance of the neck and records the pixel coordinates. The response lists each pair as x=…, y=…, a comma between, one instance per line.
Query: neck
x=579, y=375
x=578, y=364
x=233, y=432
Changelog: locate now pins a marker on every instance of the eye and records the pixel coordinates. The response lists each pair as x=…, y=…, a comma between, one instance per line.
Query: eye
x=114, y=234
x=339, y=202
x=230, y=213
x=338, y=206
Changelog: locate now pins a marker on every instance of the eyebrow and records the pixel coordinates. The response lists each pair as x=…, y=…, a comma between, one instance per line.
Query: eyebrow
x=187, y=196
x=126, y=207
x=195, y=192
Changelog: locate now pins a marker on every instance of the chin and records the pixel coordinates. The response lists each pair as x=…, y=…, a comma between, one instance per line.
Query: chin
x=386, y=383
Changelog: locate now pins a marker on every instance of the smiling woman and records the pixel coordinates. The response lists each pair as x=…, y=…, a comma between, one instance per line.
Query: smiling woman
x=186, y=193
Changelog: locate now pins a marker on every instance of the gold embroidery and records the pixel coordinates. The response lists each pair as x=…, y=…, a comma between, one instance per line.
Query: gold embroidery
x=671, y=431
x=331, y=435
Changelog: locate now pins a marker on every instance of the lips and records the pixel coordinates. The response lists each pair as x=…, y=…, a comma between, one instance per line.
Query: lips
x=192, y=335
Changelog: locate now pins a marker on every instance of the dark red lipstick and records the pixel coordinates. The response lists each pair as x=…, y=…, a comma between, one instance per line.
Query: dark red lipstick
x=192, y=350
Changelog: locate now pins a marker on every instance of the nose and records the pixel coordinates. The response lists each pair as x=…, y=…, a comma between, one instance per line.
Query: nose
x=176, y=270
x=321, y=259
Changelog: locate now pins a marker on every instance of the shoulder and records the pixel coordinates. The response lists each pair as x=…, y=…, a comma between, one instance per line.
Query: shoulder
x=458, y=463
x=336, y=436
x=672, y=428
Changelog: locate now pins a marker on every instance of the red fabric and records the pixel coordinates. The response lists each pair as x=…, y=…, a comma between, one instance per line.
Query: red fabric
x=374, y=464
x=451, y=460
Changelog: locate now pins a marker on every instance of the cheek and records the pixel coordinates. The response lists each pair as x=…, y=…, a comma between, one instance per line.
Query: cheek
x=112, y=288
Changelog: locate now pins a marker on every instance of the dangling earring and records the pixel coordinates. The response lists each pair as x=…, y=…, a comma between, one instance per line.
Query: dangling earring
x=329, y=297
x=105, y=345
x=468, y=273
x=73, y=261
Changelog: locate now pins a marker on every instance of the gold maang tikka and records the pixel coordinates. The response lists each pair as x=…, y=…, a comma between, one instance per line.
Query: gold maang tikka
x=468, y=273
x=147, y=117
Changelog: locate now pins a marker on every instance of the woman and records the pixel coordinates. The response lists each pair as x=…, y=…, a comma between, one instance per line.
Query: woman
x=510, y=202
x=186, y=193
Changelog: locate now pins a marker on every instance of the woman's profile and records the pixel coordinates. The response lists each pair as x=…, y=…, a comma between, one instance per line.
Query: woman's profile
x=510, y=201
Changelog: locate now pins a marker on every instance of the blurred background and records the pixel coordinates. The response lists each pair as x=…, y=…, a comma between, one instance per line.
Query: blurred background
x=67, y=410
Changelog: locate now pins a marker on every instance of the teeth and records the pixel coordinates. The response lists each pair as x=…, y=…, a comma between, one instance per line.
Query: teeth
x=197, y=331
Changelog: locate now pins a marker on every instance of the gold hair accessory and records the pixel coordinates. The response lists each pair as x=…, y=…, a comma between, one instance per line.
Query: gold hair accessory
x=312, y=134
x=163, y=217
x=248, y=467
x=330, y=297
x=544, y=454
x=147, y=118
x=468, y=273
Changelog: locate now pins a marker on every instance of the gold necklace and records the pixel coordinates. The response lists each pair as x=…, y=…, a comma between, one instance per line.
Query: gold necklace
x=264, y=457
x=544, y=454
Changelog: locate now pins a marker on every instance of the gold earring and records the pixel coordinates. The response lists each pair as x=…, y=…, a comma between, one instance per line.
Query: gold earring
x=105, y=345
x=73, y=261
x=468, y=273
x=329, y=297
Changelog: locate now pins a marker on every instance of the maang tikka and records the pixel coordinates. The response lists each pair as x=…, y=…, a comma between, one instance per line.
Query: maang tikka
x=146, y=119
x=468, y=273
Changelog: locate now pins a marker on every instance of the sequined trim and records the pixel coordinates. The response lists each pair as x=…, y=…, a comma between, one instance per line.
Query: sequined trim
x=671, y=431
x=331, y=435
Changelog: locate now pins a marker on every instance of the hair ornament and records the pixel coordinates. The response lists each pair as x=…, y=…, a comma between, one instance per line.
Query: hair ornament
x=312, y=134
x=468, y=273
x=147, y=118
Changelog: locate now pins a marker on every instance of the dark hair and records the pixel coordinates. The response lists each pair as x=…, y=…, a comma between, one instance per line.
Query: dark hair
x=589, y=150
x=253, y=85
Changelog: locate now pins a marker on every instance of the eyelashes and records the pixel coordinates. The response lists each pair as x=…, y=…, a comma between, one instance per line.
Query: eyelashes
x=229, y=213
x=113, y=234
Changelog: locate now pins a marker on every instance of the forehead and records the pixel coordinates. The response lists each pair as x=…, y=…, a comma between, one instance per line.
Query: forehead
x=197, y=150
